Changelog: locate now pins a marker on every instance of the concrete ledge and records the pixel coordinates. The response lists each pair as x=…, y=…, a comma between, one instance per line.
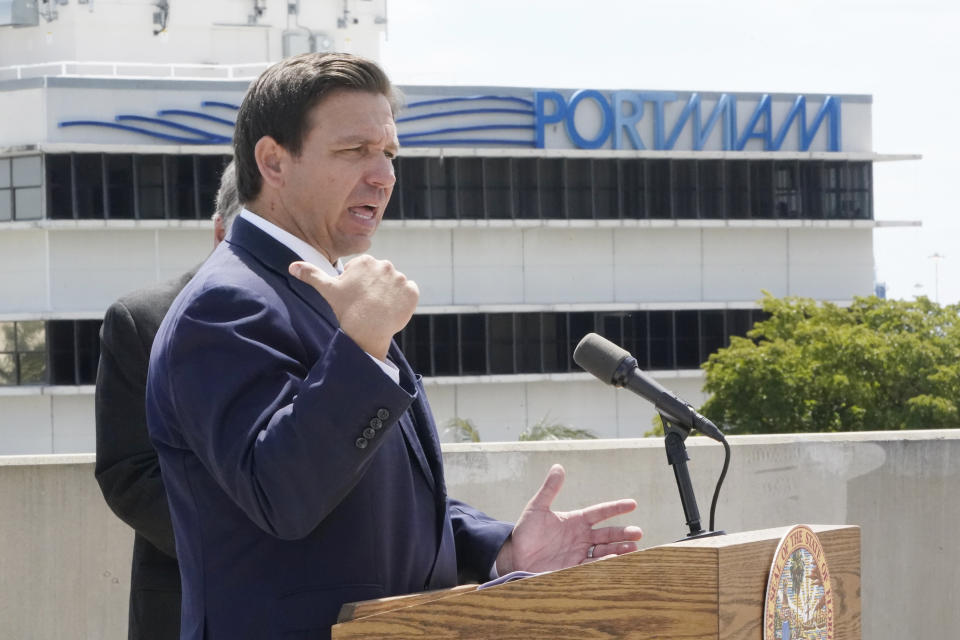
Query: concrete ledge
x=64, y=557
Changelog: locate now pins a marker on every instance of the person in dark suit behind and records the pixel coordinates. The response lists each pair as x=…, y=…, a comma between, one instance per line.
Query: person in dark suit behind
x=127, y=468
x=299, y=453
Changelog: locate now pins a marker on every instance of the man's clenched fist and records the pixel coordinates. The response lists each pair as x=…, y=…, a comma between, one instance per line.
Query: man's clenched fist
x=371, y=299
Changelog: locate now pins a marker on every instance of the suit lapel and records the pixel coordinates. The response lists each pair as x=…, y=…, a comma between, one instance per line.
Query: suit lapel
x=277, y=257
x=420, y=437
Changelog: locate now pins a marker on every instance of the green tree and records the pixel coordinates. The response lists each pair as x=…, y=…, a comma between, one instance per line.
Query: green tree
x=877, y=364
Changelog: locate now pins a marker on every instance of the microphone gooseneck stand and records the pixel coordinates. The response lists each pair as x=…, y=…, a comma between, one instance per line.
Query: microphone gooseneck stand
x=674, y=436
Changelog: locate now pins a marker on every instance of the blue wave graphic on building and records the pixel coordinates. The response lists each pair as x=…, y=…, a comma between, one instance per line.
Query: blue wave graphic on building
x=167, y=124
x=464, y=120
x=468, y=120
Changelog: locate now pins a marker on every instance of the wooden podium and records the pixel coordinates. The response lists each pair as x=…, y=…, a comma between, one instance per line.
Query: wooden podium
x=710, y=588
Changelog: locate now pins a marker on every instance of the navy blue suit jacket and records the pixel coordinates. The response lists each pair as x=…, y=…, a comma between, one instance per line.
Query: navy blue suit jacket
x=282, y=508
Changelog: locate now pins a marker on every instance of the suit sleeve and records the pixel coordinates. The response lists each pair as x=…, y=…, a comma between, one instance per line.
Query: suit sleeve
x=478, y=540
x=276, y=425
x=127, y=468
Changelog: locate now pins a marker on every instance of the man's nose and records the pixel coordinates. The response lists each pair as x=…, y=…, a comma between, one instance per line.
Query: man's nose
x=382, y=173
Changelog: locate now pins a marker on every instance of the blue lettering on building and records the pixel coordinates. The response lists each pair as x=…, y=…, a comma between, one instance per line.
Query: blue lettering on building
x=621, y=114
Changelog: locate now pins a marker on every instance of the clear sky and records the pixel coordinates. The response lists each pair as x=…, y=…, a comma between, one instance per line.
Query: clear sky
x=905, y=53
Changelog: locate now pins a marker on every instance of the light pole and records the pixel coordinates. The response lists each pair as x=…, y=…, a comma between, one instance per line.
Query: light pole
x=936, y=257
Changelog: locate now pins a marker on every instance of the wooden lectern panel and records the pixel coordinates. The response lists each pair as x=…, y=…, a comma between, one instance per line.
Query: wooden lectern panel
x=707, y=589
x=744, y=569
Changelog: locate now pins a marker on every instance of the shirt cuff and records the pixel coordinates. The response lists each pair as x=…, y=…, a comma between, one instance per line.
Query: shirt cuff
x=388, y=368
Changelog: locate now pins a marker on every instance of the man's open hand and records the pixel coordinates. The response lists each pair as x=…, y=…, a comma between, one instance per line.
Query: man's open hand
x=545, y=540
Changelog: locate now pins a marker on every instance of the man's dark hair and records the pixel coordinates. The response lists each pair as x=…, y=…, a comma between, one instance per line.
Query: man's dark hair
x=279, y=101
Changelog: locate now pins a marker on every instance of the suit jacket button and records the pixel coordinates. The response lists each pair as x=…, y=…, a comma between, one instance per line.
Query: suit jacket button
x=376, y=423
x=369, y=433
x=361, y=443
x=383, y=414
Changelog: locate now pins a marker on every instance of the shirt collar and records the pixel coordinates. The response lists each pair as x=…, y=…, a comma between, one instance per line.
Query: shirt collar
x=306, y=252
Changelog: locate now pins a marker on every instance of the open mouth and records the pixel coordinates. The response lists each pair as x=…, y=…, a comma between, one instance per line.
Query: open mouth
x=364, y=211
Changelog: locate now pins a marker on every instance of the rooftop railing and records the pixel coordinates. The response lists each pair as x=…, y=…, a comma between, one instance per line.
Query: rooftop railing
x=74, y=68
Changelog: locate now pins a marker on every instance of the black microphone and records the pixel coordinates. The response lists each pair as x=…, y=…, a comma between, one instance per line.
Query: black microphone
x=613, y=365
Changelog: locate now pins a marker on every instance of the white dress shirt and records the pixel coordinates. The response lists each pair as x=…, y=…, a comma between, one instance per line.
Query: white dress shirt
x=309, y=254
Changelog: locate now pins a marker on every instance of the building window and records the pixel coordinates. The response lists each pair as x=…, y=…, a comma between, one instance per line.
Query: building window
x=23, y=353
x=550, y=183
x=633, y=188
x=161, y=187
x=6, y=192
x=181, y=188
x=507, y=343
x=442, y=187
x=470, y=189
x=738, y=189
x=497, y=188
x=834, y=182
x=103, y=186
x=527, y=185
x=67, y=352
x=88, y=191
x=445, y=345
x=659, y=190
x=786, y=190
x=578, y=183
x=59, y=171
x=148, y=174
x=761, y=189
x=711, y=189
x=63, y=351
x=687, y=340
x=55, y=352
x=713, y=333
x=500, y=344
x=120, y=188
x=554, y=342
x=415, y=342
x=684, y=178
x=21, y=184
x=859, y=191
x=811, y=189
x=606, y=194
x=528, y=342
x=473, y=344
x=661, y=340
x=636, y=336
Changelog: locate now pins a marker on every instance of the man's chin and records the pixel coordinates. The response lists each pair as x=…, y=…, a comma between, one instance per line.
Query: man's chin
x=356, y=246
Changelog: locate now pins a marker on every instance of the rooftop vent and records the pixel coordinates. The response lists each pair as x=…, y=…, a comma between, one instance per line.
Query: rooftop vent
x=18, y=13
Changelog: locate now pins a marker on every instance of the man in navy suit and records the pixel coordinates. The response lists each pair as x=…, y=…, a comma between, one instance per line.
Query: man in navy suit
x=299, y=453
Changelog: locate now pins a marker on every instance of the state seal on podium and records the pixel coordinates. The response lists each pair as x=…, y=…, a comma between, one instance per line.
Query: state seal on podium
x=799, y=600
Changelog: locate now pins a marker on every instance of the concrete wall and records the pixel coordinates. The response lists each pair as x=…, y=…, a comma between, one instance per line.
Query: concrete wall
x=79, y=270
x=542, y=265
x=64, y=559
x=37, y=422
x=501, y=411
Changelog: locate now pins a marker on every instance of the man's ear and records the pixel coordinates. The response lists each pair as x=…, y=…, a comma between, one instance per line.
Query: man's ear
x=270, y=158
x=219, y=229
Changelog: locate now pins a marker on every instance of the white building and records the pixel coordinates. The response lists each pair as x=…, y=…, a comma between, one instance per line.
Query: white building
x=529, y=217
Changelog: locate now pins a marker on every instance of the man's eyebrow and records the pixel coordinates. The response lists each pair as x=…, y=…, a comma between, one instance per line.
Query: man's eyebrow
x=361, y=139
x=354, y=139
